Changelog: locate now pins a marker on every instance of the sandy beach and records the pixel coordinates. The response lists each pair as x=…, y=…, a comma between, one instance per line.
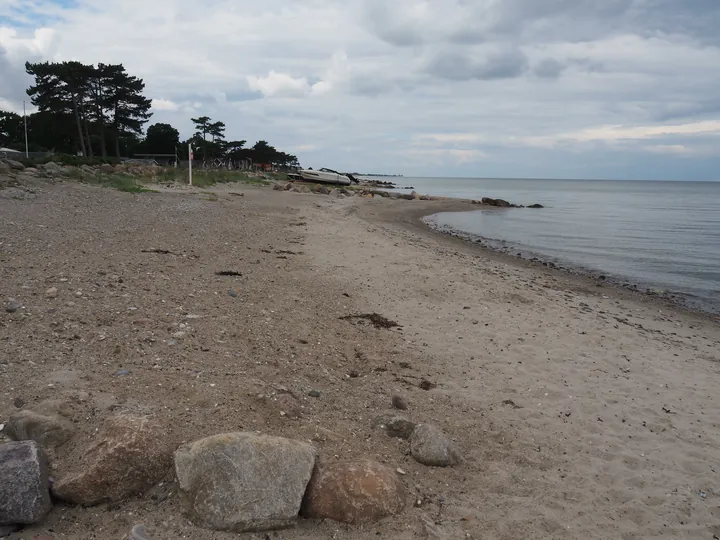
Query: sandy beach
x=581, y=410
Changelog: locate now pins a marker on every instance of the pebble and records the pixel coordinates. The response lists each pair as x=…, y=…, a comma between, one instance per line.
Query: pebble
x=52, y=292
x=314, y=393
x=12, y=305
x=399, y=402
x=354, y=374
x=232, y=293
x=139, y=532
x=19, y=402
x=121, y=372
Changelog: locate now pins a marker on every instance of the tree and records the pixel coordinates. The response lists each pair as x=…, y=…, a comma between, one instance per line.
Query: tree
x=161, y=139
x=11, y=129
x=204, y=126
x=129, y=109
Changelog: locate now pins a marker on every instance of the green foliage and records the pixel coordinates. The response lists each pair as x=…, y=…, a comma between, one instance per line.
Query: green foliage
x=119, y=181
x=160, y=139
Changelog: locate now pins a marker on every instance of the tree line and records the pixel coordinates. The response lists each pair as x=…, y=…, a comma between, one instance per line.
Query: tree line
x=101, y=111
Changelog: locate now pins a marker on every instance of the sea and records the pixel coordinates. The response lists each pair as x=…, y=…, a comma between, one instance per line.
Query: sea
x=661, y=236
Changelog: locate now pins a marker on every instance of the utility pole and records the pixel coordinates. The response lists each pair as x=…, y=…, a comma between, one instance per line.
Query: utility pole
x=27, y=154
x=190, y=155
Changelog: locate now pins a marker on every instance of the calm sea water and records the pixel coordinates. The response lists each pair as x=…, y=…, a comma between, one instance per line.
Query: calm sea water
x=661, y=235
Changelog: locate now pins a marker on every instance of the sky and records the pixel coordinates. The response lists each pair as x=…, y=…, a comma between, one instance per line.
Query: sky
x=624, y=89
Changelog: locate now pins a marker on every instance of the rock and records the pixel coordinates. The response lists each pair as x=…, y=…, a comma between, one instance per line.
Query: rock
x=322, y=190
x=430, y=446
x=106, y=168
x=536, y=206
x=4, y=167
x=500, y=203
x=232, y=293
x=12, y=305
x=49, y=431
x=354, y=374
x=19, y=402
x=314, y=393
x=287, y=405
x=139, y=532
x=415, y=195
x=15, y=165
x=395, y=425
x=425, y=198
x=244, y=482
x=52, y=168
x=129, y=456
x=354, y=492
x=122, y=372
x=52, y=292
x=399, y=402
x=279, y=186
x=24, y=495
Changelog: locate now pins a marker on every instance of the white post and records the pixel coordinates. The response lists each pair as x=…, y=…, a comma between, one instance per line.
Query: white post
x=190, y=155
x=27, y=154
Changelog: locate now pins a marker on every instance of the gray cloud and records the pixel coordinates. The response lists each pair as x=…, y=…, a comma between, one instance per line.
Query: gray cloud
x=498, y=64
x=549, y=68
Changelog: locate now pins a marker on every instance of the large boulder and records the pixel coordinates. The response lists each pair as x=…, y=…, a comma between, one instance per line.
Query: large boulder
x=395, y=425
x=354, y=492
x=15, y=165
x=500, y=203
x=49, y=431
x=244, y=482
x=106, y=168
x=53, y=168
x=430, y=446
x=4, y=167
x=24, y=495
x=129, y=456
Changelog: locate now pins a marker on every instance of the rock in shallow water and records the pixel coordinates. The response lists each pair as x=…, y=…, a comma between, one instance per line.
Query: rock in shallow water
x=244, y=482
x=24, y=495
x=430, y=446
x=129, y=456
x=354, y=492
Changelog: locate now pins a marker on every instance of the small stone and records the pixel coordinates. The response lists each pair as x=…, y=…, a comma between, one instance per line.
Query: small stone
x=314, y=393
x=430, y=446
x=399, y=402
x=139, y=532
x=12, y=305
x=427, y=385
x=354, y=492
x=24, y=495
x=395, y=425
x=129, y=456
x=52, y=292
x=122, y=372
x=354, y=374
x=232, y=293
x=244, y=482
x=19, y=402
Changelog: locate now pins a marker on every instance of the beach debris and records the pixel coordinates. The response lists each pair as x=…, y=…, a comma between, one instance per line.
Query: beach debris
x=399, y=402
x=354, y=492
x=377, y=320
x=511, y=403
x=24, y=495
x=244, y=482
x=427, y=385
x=394, y=425
x=228, y=273
x=430, y=446
x=158, y=251
x=130, y=455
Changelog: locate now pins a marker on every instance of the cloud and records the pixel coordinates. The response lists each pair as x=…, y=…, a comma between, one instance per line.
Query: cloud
x=164, y=105
x=279, y=85
x=503, y=63
x=549, y=68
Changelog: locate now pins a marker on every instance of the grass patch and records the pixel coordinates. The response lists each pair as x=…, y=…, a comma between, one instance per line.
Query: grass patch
x=121, y=182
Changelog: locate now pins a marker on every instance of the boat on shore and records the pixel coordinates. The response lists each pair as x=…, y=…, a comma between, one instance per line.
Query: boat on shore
x=323, y=176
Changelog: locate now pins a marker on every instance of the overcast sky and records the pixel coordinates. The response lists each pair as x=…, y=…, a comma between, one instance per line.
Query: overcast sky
x=491, y=88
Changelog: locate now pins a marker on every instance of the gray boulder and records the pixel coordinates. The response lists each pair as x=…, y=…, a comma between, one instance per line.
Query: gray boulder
x=53, y=168
x=395, y=425
x=49, y=431
x=244, y=482
x=4, y=167
x=15, y=165
x=106, y=168
x=24, y=495
x=430, y=446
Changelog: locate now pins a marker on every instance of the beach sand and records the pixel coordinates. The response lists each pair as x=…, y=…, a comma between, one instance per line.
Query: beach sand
x=581, y=411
